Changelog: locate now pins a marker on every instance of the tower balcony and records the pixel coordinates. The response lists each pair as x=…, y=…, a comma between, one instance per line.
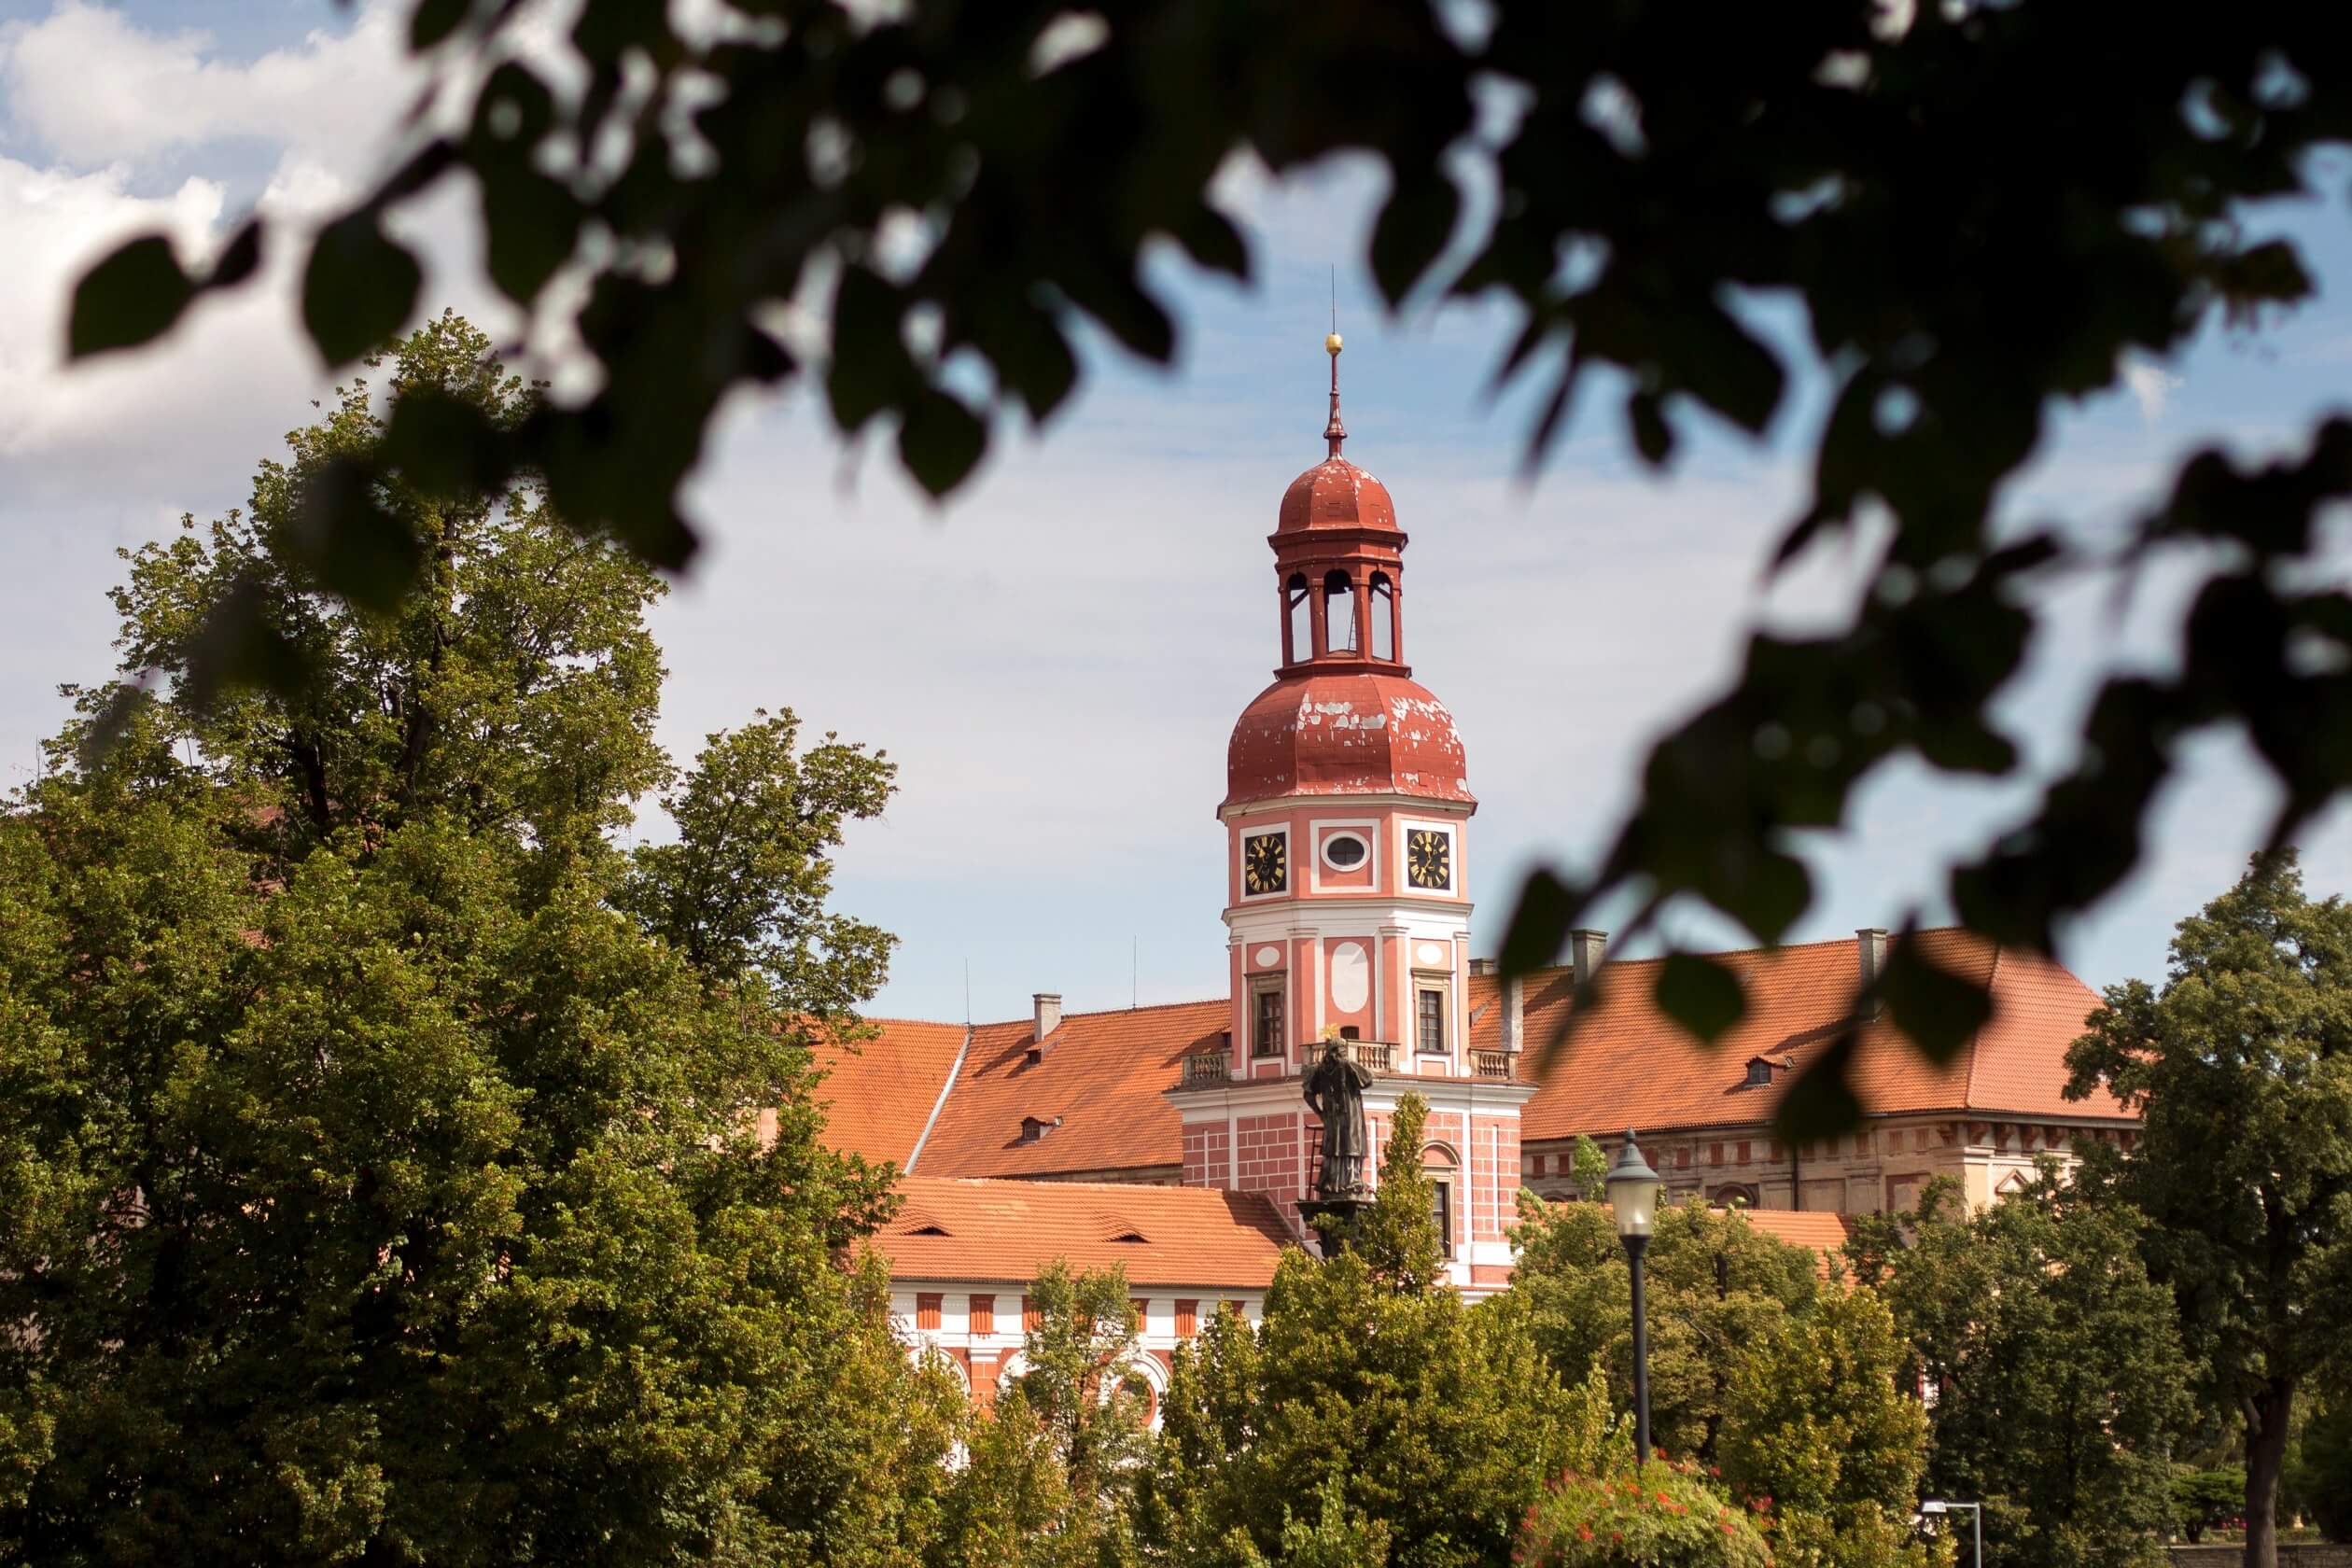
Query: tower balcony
x=1214, y=1070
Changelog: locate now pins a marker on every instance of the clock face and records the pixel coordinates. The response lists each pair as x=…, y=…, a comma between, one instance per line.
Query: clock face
x=1429, y=858
x=1264, y=864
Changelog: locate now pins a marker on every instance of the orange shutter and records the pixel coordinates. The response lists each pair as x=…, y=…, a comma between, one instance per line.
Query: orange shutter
x=1142, y=1314
x=983, y=1314
x=1187, y=1319
x=927, y=1310
x=1030, y=1316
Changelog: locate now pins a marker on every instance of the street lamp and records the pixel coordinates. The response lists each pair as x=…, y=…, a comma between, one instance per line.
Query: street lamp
x=1634, y=1197
x=1976, y=1522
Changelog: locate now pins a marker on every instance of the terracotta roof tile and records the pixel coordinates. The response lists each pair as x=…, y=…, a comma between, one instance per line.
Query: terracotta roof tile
x=880, y=1091
x=1104, y=1073
x=1629, y=1065
x=1006, y=1231
x=1822, y=1232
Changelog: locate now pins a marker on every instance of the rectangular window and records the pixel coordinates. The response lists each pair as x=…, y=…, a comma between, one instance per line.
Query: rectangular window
x=1442, y=1197
x=1142, y=1314
x=1265, y=1028
x=927, y=1310
x=1031, y=1315
x=983, y=1314
x=1187, y=1319
x=1430, y=1019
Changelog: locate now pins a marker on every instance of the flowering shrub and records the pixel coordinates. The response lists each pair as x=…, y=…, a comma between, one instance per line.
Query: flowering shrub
x=1662, y=1516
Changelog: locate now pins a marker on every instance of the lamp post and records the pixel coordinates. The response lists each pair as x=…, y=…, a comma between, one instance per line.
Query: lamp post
x=1633, y=1198
x=1976, y=1520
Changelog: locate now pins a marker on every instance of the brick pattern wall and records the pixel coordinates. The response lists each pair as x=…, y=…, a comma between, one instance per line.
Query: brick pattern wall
x=1207, y=1156
x=1266, y=1157
x=1493, y=1159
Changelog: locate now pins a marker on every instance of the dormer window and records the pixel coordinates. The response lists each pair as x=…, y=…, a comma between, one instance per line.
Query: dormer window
x=1759, y=1073
x=1036, y=1128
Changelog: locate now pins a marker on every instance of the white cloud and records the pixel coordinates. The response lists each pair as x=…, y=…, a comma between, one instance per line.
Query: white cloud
x=92, y=86
x=2152, y=386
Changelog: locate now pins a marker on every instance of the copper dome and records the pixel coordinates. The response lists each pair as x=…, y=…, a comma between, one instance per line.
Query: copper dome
x=1346, y=732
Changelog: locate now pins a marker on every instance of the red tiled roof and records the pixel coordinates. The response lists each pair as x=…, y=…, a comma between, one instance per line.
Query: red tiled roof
x=1008, y=1230
x=1629, y=1065
x=1102, y=1074
x=881, y=1091
x=1806, y=1227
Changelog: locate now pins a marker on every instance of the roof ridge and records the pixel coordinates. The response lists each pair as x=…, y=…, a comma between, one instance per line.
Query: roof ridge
x=1744, y=952
x=1106, y=1012
x=1032, y=1184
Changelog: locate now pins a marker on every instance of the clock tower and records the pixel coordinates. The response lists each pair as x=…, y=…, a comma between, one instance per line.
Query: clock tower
x=1346, y=812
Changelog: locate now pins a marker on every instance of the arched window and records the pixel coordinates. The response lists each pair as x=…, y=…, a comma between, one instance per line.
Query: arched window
x=1383, y=627
x=1443, y=1168
x=1339, y=618
x=1298, y=621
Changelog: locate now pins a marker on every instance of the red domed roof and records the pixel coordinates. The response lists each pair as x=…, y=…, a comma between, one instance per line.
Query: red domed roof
x=1351, y=732
x=1335, y=493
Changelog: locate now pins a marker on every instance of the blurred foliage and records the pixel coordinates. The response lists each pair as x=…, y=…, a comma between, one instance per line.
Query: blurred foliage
x=1978, y=211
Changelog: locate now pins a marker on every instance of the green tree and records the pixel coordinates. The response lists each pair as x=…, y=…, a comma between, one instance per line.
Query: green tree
x=513, y=687
x=1818, y=1426
x=372, y=1189
x=2240, y=1070
x=2203, y=1499
x=1974, y=214
x=1370, y=1399
x=2057, y=1380
x=1717, y=1288
x=1053, y=1467
x=1591, y=1168
x=2323, y=1470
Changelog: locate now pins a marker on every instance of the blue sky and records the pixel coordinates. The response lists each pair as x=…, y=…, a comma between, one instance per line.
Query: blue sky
x=1056, y=657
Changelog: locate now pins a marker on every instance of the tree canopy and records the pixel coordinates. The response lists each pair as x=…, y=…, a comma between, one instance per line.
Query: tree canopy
x=2057, y=1381
x=376, y=1187
x=2240, y=1067
x=1977, y=212
x=1370, y=1409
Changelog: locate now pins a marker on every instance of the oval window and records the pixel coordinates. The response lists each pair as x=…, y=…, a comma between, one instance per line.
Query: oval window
x=1345, y=852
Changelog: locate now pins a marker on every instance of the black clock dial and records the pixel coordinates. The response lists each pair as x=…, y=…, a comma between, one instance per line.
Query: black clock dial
x=1264, y=864
x=1429, y=858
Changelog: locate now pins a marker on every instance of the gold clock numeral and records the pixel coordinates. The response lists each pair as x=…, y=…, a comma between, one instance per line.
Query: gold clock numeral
x=1264, y=864
x=1429, y=856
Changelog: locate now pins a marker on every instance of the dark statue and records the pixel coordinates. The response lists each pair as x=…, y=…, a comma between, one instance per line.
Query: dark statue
x=1335, y=1091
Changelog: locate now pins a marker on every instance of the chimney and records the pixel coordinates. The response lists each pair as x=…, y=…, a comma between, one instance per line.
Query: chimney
x=1869, y=952
x=1588, y=950
x=1486, y=966
x=1045, y=1016
x=1514, y=1014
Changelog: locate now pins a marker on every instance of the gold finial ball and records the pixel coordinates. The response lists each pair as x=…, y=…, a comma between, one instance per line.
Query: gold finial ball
x=1331, y=343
